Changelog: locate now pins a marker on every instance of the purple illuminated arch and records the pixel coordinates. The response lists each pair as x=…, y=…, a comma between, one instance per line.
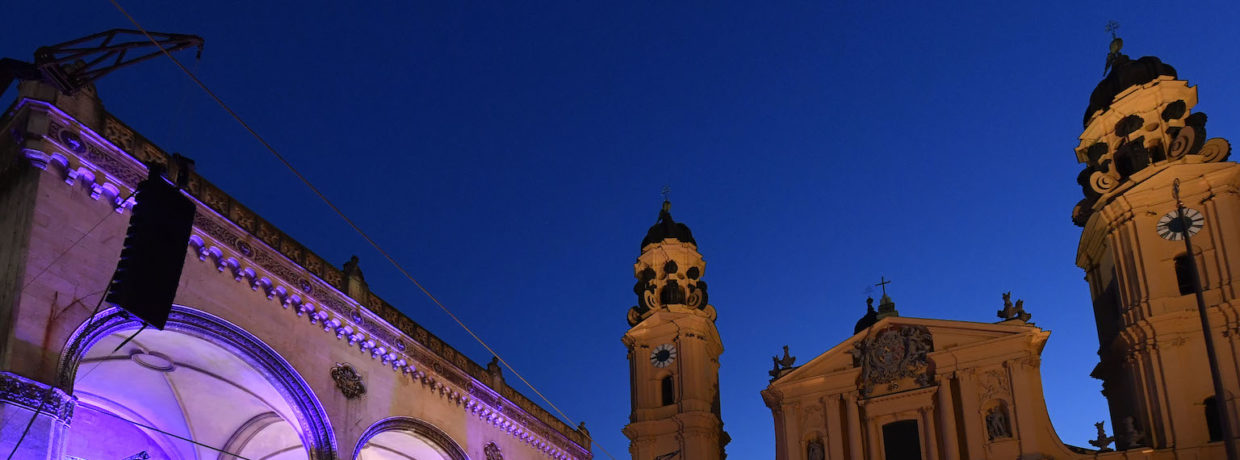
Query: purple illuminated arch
x=316, y=432
x=411, y=425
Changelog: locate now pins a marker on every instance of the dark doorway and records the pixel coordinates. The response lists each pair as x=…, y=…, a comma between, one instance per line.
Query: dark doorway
x=1212, y=425
x=901, y=441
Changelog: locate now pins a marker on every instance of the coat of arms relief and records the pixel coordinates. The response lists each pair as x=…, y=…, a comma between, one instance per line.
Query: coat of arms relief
x=890, y=357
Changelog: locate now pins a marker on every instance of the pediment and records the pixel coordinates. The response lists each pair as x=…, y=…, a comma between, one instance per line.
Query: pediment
x=959, y=337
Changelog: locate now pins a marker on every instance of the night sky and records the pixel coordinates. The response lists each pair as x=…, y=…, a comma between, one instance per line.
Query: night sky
x=511, y=155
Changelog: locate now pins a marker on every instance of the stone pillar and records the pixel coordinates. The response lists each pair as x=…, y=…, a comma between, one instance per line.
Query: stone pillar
x=792, y=425
x=1024, y=395
x=855, y=451
x=974, y=432
x=947, y=418
x=874, y=430
x=20, y=398
x=835, y=432
x=929, y=433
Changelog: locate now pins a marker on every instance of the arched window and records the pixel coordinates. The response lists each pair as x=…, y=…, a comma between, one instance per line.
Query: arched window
x=668, y=390
x=1212, y=426
x=1184, y=274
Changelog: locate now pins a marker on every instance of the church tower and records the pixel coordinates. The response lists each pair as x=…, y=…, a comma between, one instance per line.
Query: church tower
x=673, y=350
x=1141, y=136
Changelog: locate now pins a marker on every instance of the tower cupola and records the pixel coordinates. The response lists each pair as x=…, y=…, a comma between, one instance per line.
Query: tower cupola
x=1139, y=120
x=669, y=270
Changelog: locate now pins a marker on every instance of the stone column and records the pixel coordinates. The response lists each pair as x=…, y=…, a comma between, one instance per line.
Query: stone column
x=930, y=433
x=855, y=451
x=874, y=430
x=835, y=432
x=792, y=428
x=1021, y=417
x=20, y=398
x=947, y=418
x=974, y=432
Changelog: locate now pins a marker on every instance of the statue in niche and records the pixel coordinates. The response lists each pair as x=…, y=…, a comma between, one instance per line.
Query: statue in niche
x=997, y=423
x=1129, y=433
x=815, y=450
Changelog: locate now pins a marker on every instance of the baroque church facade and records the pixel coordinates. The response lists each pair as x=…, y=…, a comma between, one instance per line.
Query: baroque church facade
x=916, y=388
x=308, y=363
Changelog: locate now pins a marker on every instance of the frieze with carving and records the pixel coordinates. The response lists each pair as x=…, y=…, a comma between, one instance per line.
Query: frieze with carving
x=115, y=163
x=19, y=390
x=893, y=354
x=348, y=380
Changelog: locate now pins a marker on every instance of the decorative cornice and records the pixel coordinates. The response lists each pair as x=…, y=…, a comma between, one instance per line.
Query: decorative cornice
x=15, y=389
x=254, y=252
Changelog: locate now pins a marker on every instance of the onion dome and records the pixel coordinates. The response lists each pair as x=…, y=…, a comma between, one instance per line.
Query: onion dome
x=870, y=317
x=1125, y=73
x=667, y=228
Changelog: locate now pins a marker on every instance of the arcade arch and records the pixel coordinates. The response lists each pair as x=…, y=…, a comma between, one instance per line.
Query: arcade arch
x=404, y=438
x=204, y=382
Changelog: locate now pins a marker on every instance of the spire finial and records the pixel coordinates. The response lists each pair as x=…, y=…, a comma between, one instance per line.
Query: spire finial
x=1116, y=45
x=666, y=192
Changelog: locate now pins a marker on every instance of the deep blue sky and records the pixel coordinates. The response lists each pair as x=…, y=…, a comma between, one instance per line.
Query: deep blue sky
x=511, y=155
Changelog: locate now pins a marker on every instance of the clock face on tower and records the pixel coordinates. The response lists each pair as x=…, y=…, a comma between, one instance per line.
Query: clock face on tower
x=663, y=355
x=1172, y=227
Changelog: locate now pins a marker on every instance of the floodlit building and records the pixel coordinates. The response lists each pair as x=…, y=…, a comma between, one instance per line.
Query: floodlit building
x=270, y=352
x=914, y=388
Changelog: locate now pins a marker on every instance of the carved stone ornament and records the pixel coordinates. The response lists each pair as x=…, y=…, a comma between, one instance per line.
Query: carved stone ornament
x=893, y=354
x=15, y=389
x=348, y=380
x=492, y=452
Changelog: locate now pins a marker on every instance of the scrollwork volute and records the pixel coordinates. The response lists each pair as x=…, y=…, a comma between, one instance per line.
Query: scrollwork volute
x=1151, y=126
x=668, y=273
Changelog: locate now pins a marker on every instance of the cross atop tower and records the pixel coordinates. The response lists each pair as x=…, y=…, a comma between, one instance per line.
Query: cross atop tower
x=667, y=193
x=1112, y=26
x=883, y=282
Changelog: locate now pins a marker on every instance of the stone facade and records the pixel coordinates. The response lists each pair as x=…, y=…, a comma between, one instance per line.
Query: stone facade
x=67, y=170
x=934, y=389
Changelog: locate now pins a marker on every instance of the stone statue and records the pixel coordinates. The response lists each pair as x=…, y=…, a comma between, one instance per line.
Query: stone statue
x=815, y=451
x=786, y=361
x=1103, y=440
x=997, y=424
x=351, y=270
x=1013, y=312
x=781, y=364
x=1129, y=434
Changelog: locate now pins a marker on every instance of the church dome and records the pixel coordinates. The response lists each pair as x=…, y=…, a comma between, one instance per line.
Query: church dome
x=869, y=319
x=667, y=228
x=1125, y=73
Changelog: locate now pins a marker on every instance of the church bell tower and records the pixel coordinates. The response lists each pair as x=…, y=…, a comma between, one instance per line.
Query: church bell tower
x=673, y=350
x=1141, y=136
